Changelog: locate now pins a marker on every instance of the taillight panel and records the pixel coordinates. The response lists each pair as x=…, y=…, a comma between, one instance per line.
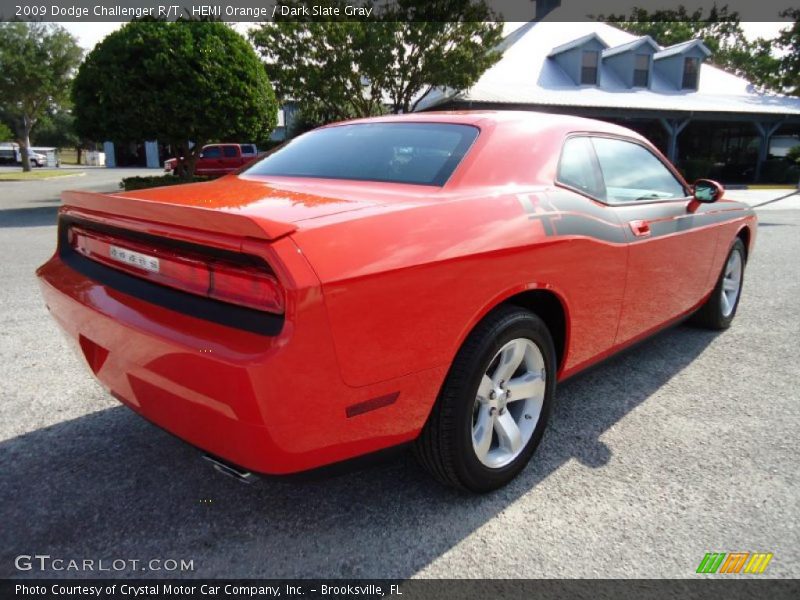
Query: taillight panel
x=248, y=282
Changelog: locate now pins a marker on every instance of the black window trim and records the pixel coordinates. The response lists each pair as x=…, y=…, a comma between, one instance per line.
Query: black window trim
x=599, y=171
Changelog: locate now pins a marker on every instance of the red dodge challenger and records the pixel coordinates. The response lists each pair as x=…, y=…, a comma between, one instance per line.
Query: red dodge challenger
x=425, y=278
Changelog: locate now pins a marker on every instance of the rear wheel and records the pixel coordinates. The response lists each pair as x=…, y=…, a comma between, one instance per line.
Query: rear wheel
x=720, y=308
x=494, y=405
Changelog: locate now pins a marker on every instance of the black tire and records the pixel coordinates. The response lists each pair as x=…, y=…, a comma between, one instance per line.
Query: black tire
x=445, y=446
x=712, y=315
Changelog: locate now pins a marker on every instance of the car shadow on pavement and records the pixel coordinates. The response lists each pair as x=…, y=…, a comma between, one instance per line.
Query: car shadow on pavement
x=110, y=485
x=29, y=217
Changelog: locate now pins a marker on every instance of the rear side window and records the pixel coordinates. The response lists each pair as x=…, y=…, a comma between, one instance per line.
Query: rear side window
x=633, y=173
x=248, y=149
x=212, y=152
x=578, y=167
x=229, y=151
x=416, y=153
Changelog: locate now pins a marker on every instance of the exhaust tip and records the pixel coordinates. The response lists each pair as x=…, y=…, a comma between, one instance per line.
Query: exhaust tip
x=231, y=470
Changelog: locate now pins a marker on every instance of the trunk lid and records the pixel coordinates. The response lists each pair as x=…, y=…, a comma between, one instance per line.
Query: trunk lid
x=231, y=205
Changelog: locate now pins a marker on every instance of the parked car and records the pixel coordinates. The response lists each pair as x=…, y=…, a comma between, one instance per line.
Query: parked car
x=10, y=154
x=219, y=159
x=37, y=159
x=423, y=279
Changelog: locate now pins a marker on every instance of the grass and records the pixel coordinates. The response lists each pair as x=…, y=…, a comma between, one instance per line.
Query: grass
x=68, y=156
x=784, y=186
x=37, y=174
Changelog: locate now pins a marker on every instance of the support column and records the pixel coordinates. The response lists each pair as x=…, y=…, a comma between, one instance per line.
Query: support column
x=765, y=131
x=111, y=159
x=151, y=154
x=673, y=128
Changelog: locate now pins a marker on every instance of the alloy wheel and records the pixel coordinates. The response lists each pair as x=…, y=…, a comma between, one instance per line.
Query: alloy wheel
x=508, y=403
x=731, y=283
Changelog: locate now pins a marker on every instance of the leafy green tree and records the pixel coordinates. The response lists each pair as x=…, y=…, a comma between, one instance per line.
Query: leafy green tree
x=184, y=82
x=56, y=129
x=793, y=155
x=37, y=62
x=788, y=46
x=720, y=31
x=341, y=69
x=5, y=133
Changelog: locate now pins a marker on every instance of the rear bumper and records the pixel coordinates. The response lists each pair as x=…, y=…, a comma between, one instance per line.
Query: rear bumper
x=273, y=404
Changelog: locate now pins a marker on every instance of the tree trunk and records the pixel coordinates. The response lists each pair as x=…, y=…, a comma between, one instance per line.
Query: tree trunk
x=191, y=159
x=413, y=107
x=25, y=146
x=78, y=152
x=182, y=158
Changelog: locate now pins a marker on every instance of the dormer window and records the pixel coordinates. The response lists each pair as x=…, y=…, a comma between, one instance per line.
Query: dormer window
x=589, y=62
x=580, y=59
x=679, y=64
x=631, y=62
x=641, y=70
x=691, y=69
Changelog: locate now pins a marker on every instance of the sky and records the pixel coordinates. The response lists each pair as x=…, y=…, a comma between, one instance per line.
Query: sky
x=89, y=34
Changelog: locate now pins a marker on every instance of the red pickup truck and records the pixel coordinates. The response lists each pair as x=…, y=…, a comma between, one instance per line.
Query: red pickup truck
x=219, y=159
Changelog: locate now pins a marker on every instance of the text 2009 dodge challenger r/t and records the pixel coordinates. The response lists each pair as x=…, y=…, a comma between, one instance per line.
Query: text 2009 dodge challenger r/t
x=425, y=278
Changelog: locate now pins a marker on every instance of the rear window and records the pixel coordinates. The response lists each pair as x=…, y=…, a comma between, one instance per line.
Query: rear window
x=417, y=153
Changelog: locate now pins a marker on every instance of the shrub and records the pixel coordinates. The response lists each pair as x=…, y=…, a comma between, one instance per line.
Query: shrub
x=696, y=168
x=794, y=154
x=151, y=181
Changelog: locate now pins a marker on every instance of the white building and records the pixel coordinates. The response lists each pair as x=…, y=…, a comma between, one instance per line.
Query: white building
x=708, y=121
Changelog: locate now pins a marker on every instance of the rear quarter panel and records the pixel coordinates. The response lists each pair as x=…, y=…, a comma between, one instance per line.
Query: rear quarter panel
x=403, y=288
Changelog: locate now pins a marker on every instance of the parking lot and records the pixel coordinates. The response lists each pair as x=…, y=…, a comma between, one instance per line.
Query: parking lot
x=686, y=445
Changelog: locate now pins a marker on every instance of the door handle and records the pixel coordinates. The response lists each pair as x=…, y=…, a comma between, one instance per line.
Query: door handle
x=640, y=228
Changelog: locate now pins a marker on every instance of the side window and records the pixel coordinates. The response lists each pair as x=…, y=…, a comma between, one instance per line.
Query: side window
x=631, y=172
x=212, y=152
x=229, y=151
x=577, y=167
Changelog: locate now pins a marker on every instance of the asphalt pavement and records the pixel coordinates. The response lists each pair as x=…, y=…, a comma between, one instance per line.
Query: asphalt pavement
x=686, y=445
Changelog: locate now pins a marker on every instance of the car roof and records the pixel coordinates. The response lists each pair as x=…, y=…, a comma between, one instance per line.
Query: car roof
x=543, y=121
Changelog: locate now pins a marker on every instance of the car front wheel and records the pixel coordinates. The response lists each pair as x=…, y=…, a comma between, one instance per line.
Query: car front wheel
x=493, y=408
x=720, y=308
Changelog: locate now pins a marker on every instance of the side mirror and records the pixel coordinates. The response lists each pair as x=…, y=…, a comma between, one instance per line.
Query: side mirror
x=201, y=155
x=707, y=191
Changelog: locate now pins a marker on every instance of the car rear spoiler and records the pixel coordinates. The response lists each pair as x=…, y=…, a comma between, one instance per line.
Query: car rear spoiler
x=193, y=217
